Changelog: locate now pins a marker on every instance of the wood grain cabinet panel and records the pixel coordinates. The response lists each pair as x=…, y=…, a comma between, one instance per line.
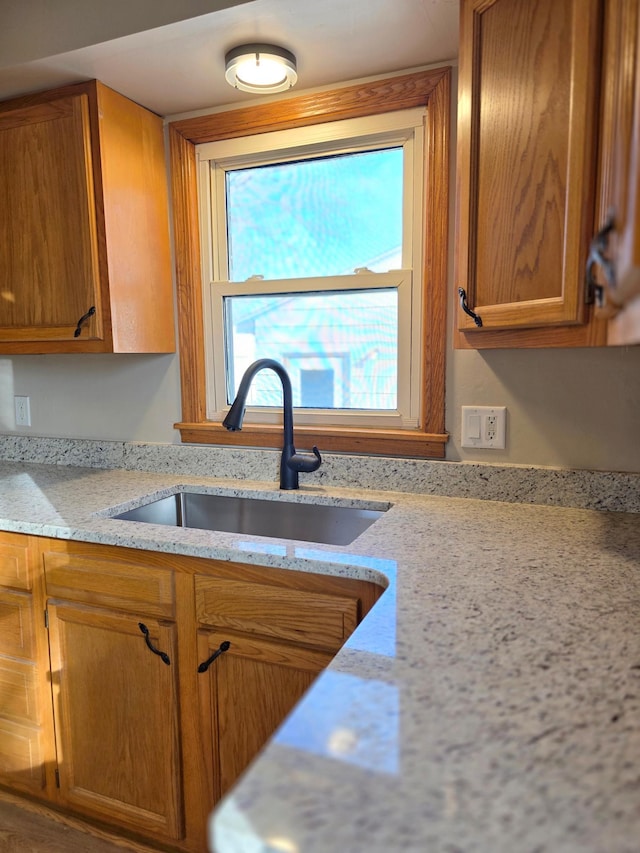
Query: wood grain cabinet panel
x=84, y=230
x=246, y=693
x=50, y=234
x=116, y=718
x=19, y=691
x=289, y=614
x=99, y=576
x=271, y=637
x=15, y=568
x=16, y=625
x=22, y=762
x=527, y=145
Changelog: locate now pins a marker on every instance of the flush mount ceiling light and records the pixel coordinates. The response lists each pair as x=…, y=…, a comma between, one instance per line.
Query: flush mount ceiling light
x=260, y=68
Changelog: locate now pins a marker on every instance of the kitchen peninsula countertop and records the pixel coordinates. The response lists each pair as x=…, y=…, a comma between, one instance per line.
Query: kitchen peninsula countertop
x=489, y=702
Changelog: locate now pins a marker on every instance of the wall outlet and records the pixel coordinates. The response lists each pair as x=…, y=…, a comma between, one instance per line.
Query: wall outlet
x=484, y=426
x=23, y=411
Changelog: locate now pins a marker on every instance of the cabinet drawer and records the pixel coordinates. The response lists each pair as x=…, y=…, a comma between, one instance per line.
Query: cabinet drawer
x=14, y=563
x=21, y=755
x=272, y=611
x=109, y=582
x=16, y=625
x=18, y=691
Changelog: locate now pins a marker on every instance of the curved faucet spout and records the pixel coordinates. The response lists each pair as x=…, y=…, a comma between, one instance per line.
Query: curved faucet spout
x=290, y=462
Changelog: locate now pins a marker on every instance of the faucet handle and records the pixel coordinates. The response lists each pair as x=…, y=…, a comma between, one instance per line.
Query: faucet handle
x=305, y=462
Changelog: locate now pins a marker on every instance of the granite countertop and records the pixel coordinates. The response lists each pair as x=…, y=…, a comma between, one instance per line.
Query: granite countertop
x=490, y=701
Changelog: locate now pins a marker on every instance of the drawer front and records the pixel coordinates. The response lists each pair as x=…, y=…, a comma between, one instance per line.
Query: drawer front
x=21, y=755
x=14, y=563
x=109, y=583
x=18, y=691
x=16, y=625
x=271, y=611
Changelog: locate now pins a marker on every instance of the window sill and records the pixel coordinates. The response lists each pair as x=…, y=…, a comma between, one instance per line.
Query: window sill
x=342, y=440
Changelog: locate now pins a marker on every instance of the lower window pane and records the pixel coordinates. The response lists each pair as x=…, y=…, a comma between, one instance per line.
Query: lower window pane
x=339, y=348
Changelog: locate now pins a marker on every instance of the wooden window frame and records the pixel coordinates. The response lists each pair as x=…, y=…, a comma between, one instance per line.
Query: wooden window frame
x=432, y=89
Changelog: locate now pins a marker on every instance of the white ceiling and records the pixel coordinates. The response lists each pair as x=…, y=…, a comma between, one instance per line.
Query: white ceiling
x=179, y=67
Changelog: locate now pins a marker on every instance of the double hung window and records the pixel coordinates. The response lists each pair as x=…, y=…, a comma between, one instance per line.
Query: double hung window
x=313, y=229
x=312, y=255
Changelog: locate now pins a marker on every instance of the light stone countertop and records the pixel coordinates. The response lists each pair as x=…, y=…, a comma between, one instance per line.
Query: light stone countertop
x=489, y=702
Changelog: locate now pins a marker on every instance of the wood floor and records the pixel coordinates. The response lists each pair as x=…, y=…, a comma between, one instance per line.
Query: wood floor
x=24, y=829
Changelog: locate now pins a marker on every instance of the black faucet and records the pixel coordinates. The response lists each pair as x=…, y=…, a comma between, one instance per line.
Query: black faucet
x=290, y=461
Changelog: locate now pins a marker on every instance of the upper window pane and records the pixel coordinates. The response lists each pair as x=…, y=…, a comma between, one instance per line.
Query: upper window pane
x=317, y=217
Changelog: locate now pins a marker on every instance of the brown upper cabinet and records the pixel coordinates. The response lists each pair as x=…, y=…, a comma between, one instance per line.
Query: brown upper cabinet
x=84, y=229
x=536, y=135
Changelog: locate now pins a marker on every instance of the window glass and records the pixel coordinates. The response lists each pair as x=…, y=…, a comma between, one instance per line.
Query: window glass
x=316, y=217
x=340, y=348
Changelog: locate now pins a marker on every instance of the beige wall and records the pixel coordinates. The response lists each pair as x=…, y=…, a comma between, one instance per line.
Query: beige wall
x=567, y=408
x=117, y=397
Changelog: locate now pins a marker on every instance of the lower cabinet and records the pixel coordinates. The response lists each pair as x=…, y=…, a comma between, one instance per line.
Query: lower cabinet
x=116, y=712
x=135, y=687
x=115, y=685
x=247, y=691
x=267, y=643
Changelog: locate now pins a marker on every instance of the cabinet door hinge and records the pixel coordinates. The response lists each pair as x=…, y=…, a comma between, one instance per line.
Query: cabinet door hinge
x=57, y=773
x=46, y=618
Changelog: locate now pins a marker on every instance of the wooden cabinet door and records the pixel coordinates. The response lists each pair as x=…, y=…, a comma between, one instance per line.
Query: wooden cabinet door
x=49, y=268
x=618, y=273
x=245, y=693
x=116, y=716
x=527, y=112
x=84, y=227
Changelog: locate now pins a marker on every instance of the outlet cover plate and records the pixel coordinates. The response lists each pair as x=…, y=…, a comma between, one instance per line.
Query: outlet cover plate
x=484, y=426
x=23, y=411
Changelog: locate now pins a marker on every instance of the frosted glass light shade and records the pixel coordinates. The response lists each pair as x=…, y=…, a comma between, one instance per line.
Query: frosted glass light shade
x=260, y=68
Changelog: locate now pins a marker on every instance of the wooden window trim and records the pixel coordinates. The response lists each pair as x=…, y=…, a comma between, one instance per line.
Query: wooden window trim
x=430, y=88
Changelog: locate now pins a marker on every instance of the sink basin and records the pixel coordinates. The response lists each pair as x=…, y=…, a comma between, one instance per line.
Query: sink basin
x=322, y=523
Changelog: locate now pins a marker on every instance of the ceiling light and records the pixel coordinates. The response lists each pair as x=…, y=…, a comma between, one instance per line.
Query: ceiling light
x=260, y=68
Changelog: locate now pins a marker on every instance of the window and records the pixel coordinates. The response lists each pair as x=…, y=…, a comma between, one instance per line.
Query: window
x=310, y=241
x=283, y=207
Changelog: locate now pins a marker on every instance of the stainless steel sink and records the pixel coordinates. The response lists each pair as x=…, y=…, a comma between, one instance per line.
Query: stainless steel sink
x=322, y=523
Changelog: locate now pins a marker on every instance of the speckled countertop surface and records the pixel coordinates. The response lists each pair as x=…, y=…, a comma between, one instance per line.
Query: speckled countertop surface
x=489, y=702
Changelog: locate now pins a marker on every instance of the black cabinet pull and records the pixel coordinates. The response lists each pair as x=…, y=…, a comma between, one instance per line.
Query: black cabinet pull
x=162, y=655
x=477, y=319
x=204, y=666
x=83, y=320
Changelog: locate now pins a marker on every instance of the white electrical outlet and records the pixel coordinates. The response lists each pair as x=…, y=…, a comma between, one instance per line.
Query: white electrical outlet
x=23, y=411
x=484, y=426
